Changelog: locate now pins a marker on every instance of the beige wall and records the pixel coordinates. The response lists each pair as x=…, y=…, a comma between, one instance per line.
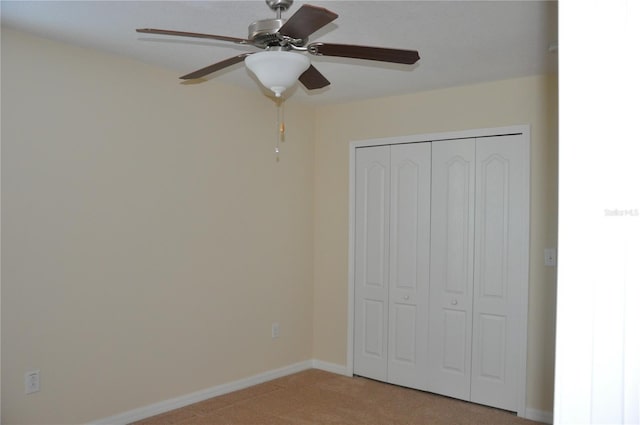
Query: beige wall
x=519, y=101
x=149, y=236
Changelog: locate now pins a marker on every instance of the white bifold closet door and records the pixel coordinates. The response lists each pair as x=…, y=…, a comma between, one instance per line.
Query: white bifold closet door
x=452, y=255
x=501, y=269
x=391, y=263
x=479, y=246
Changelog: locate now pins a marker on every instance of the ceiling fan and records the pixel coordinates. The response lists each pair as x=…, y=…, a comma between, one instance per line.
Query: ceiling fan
x=284, y=40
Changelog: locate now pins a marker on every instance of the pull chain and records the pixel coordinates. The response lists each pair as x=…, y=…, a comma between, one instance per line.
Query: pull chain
x=280, y=127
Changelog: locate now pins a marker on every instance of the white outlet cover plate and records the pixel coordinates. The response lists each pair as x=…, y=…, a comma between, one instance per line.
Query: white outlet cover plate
x=550, y=258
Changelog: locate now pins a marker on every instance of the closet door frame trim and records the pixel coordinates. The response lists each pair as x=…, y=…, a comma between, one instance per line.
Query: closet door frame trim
x=523, y=130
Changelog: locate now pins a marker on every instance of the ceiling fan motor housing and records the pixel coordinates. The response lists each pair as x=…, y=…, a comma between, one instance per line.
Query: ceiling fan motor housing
x=263, y=33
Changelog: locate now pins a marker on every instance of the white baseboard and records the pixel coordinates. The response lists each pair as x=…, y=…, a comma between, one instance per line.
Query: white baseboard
x=330, y=367
x=539, y=415
x=185, y=400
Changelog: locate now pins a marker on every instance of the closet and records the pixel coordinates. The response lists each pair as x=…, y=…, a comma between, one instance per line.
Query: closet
x=440, y=266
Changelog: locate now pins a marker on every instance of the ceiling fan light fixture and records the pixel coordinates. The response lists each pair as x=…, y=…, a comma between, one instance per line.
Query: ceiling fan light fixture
x=277, y=70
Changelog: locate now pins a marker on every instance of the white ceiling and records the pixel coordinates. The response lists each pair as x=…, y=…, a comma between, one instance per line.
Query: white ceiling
x=460, y=42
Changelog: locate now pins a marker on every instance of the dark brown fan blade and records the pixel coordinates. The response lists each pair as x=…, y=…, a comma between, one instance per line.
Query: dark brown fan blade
x=215, y=67
x=313, y=79
x=193, y=34
x=307, y=20
x=364, y=52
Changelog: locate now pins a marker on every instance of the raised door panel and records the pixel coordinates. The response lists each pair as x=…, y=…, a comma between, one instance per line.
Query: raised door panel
x=451, y=277
x=371, y=262
x=501, y=247
x=409, y=263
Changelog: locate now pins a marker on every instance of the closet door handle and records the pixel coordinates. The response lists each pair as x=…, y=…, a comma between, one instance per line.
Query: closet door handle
x=454, y=302
x=406, y=297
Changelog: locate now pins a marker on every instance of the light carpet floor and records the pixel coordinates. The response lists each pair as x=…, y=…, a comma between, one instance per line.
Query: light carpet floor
x=318, y=397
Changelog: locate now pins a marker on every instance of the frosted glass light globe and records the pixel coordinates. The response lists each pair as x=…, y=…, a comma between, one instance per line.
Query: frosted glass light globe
x=277, y=70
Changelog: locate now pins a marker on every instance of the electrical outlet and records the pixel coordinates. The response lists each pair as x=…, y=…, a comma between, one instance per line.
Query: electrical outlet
x=275, y=330
x=550, y=259
x=32, y=382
